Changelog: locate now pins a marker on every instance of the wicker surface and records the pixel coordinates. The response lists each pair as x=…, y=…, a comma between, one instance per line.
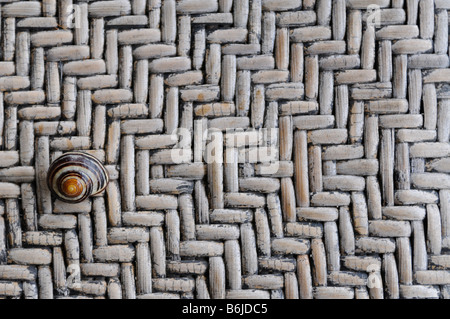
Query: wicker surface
x=311, y=159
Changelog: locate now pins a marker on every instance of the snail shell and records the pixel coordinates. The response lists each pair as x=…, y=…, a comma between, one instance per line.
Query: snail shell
x=74, y=176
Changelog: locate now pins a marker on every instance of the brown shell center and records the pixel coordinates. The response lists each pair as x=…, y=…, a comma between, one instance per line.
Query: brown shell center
x=72, y=187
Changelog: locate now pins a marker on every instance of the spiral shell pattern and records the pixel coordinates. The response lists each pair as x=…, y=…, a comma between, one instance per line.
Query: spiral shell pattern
x=74, y=176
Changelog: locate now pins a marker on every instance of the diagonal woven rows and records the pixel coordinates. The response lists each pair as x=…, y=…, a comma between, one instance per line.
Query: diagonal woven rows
x=347, y=197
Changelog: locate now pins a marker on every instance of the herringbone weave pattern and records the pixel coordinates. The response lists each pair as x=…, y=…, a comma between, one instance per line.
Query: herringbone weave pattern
x=256, y=148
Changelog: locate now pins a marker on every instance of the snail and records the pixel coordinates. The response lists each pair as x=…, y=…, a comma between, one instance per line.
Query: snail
x=75, y=176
